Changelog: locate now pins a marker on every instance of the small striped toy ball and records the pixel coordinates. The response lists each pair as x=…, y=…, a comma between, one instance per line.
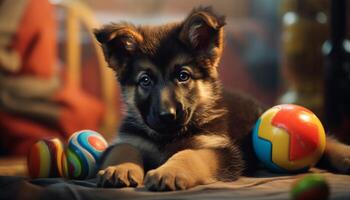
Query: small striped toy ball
x=310, y=187
x=44, y=159
x=83, y=151
x=288, y=138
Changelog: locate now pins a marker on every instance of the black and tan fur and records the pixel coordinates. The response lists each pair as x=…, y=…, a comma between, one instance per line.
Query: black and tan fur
x=180, y=129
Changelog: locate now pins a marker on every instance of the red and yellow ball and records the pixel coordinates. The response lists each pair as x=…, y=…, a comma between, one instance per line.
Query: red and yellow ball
x=288, y=138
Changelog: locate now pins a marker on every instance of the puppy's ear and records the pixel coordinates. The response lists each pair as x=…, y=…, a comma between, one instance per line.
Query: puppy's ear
x=202, y=30
x=119, y=42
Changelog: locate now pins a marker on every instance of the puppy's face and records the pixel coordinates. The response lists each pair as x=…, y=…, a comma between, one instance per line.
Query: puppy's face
x=165, y=72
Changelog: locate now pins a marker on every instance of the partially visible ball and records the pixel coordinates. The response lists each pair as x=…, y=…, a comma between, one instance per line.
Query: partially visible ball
x=310, y=187
x=83, y=152
x=44, y=159
x=288, y=138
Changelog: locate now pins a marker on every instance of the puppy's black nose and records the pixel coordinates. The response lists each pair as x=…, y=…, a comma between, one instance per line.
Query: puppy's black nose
x=167, y=115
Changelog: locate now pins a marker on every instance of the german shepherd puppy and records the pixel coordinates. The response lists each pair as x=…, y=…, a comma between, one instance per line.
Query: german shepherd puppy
x=180, y=129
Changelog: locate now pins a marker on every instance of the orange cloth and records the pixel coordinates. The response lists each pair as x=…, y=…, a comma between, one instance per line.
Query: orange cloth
x=36, y=43
x=35, y=39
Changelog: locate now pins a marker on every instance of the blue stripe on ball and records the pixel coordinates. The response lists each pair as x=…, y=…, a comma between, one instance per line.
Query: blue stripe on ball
x=83, y=141
x=263, y=150
x=79, y=151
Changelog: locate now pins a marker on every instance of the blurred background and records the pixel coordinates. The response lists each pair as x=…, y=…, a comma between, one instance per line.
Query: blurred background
x=54, y=81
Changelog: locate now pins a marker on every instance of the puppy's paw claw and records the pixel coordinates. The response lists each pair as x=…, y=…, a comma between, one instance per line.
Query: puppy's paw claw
x=124, y=175
x=166, y=179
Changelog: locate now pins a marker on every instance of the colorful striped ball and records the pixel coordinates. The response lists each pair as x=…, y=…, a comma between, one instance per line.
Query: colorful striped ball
x=44, y=159
x=83, y=152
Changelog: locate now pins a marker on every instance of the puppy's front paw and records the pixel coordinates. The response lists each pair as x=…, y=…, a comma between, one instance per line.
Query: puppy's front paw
x=169, y=179
x=122, y=175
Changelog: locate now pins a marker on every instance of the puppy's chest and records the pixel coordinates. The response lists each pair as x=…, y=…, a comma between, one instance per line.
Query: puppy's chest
x=155, y=153
x=152, y=153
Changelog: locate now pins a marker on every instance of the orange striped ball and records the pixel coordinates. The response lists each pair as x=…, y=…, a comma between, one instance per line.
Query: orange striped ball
x=45, y=158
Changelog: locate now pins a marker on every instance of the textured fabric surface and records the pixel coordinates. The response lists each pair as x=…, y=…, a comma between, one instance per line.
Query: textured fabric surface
x=264, y=186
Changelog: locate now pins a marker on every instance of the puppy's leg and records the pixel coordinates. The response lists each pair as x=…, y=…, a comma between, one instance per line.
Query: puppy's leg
x=189, y=168
x=123, y=167
x=336, y=156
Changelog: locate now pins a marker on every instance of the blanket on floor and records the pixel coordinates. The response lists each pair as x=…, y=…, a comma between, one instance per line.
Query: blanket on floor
x=264, y=186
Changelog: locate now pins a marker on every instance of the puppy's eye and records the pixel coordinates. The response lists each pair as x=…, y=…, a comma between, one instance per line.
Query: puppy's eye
x=183, y=76
x=145, y=80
